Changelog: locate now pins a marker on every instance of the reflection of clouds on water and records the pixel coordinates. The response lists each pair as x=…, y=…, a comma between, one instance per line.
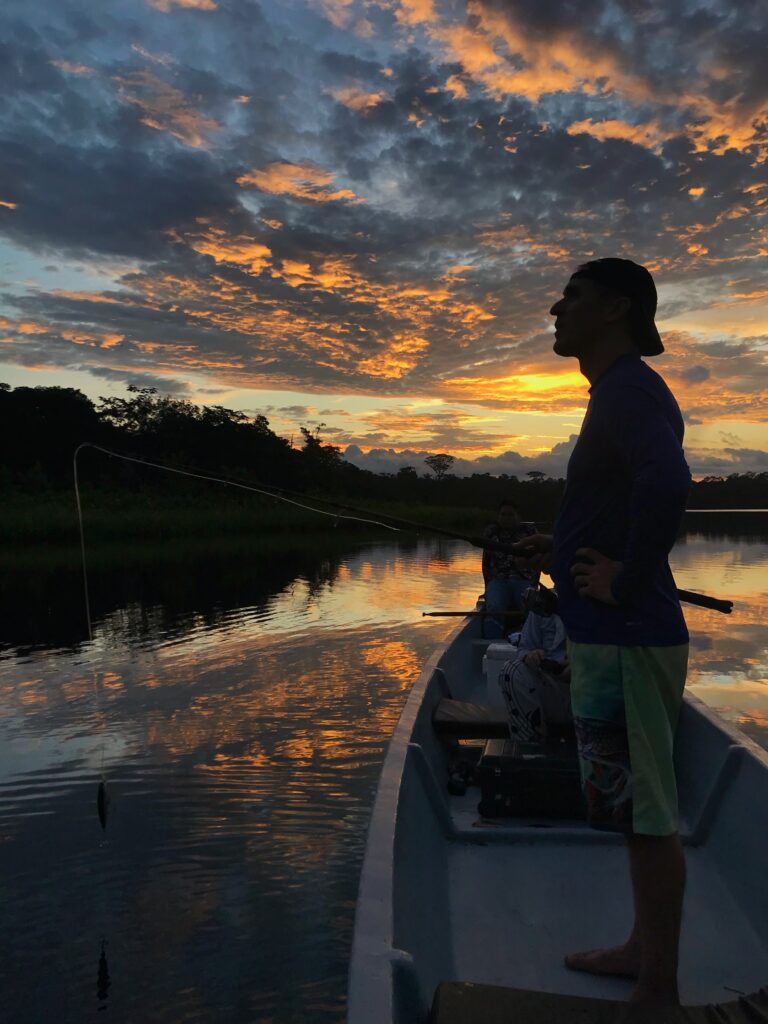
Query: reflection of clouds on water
x=729, y=654
x=242, y=745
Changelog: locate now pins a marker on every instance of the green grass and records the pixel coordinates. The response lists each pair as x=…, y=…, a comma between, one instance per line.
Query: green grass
x=114, y=518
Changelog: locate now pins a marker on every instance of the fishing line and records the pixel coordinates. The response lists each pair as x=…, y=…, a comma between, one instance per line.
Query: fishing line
x=219, y=480
x=102, y=797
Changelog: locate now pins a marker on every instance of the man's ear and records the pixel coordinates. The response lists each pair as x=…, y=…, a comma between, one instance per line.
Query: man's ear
x=616, y=308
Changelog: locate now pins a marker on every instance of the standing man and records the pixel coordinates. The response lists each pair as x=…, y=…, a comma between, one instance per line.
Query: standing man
x=625, y=493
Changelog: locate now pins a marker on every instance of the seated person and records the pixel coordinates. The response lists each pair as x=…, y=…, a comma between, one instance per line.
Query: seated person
x=536, y=682
x=506, y=578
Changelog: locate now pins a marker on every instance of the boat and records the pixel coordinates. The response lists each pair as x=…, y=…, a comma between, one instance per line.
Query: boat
x=464, y=917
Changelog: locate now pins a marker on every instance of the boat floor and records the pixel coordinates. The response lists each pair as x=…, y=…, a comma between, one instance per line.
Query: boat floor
x=526, y=909
x=542, y=889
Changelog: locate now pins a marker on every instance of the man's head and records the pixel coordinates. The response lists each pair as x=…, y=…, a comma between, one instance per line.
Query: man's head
x=607, y=300
x=508, y=515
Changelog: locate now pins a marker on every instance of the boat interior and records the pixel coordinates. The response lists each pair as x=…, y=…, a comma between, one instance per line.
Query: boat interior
x=487, y=891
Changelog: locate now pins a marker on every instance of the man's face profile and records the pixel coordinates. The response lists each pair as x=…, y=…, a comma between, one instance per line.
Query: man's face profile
x=579, y=317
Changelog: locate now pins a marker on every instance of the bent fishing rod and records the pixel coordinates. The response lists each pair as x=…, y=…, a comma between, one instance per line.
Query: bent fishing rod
x=384, y=520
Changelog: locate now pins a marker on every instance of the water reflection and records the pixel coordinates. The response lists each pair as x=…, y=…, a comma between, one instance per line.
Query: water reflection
x=241, y=730
x=729, y=654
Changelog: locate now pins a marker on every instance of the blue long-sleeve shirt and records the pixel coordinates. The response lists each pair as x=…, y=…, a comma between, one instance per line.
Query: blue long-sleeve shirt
x=626, y=488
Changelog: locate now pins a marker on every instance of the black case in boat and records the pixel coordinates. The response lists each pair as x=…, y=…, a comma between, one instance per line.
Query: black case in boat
x=529, y=780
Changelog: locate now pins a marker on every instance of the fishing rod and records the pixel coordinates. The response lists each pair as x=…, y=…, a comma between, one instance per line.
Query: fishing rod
x=516, y=615
x=384, y=520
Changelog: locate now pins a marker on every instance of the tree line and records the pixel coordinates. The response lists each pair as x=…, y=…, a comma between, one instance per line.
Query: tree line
x=40, y=428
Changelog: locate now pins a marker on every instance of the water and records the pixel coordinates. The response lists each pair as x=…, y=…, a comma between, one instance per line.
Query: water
x=239, y=706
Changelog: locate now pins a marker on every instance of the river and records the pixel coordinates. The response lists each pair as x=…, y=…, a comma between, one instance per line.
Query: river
x=239, y=703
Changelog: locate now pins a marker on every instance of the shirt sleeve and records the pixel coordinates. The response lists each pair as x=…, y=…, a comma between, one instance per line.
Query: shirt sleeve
x=651, y=453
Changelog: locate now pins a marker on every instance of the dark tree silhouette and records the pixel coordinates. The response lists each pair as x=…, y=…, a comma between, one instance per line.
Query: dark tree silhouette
x=41, y=427
x=440, y=464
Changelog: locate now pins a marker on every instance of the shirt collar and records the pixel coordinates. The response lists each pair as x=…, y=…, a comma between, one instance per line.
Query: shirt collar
x=624, y=360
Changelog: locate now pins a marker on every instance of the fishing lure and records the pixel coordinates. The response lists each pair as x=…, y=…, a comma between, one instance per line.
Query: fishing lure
x=102, y=803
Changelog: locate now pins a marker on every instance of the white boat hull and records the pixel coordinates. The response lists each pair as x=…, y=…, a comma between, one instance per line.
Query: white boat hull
x=445, y=895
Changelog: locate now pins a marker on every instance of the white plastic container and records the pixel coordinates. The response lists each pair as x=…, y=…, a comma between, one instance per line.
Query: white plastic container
x=494, y=660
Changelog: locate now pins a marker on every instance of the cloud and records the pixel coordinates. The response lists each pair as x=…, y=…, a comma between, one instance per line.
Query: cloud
x=164, y=385
x=72, y=68
x=167, y=5
x=357, y=98
x=164, y=107
x=695, y=374
x=302, y=181
x=390, y=217
x=389, y=460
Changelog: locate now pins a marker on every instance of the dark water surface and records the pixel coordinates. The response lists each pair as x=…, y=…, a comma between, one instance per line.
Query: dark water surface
x=239, y=704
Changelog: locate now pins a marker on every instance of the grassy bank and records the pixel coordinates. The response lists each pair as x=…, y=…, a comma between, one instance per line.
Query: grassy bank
x=51, y=519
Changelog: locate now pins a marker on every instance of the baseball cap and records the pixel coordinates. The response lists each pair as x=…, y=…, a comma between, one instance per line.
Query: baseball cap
x=633, y=281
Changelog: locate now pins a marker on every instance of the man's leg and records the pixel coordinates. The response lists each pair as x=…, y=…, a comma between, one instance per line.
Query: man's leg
x=496, y=599
x=650, y=954
x=521, y=686
x=658, y=882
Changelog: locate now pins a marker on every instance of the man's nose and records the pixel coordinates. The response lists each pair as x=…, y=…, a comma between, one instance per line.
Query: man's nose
x=555, y=308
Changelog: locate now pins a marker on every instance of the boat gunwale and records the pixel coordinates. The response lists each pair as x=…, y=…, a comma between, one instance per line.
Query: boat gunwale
x=372, y=939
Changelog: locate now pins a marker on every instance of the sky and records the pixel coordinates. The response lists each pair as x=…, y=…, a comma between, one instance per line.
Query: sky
x=358, y=213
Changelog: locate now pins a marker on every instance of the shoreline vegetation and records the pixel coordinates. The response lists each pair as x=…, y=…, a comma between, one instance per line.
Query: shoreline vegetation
x=48, y=523
x=127, y=504
x=110, y=518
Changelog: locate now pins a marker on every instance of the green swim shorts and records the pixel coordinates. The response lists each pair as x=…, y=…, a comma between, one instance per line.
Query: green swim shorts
x=626, y=702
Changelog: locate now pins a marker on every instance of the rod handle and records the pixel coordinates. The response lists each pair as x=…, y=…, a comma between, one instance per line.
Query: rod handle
x=705, y=601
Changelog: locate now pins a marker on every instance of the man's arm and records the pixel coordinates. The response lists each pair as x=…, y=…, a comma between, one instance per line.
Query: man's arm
x=659, y=484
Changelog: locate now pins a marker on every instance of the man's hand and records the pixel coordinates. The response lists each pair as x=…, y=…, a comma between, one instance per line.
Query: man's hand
x=535, y=552
x=593, y=575
x=533, y=659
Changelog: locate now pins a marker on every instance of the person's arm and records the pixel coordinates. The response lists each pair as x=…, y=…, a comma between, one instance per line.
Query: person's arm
x=535, y=551
x=529, y=638
x=488, y=534
x=659, y=484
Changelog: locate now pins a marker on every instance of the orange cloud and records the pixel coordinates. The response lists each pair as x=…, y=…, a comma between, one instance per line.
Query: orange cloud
x=516, y=242
x=356, y=98
x=650, y=136
x=415, y=12
x=166, y=6
x=455, y=85
x=8, y=204
x=507, y=59
x=733, y=385
x=71, y=68
x=164, y=108
x=339, y=12
x=239, y=249
x=398, y=357
x=80, y=296
x=303, y=181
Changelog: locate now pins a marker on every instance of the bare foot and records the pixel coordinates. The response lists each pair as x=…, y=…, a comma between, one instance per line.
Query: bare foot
x=621, y=961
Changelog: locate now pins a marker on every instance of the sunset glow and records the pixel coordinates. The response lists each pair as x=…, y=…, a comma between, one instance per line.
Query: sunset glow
x=339, y=211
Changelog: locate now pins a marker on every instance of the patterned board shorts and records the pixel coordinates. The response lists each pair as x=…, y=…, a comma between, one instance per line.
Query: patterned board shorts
x=626, y=702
